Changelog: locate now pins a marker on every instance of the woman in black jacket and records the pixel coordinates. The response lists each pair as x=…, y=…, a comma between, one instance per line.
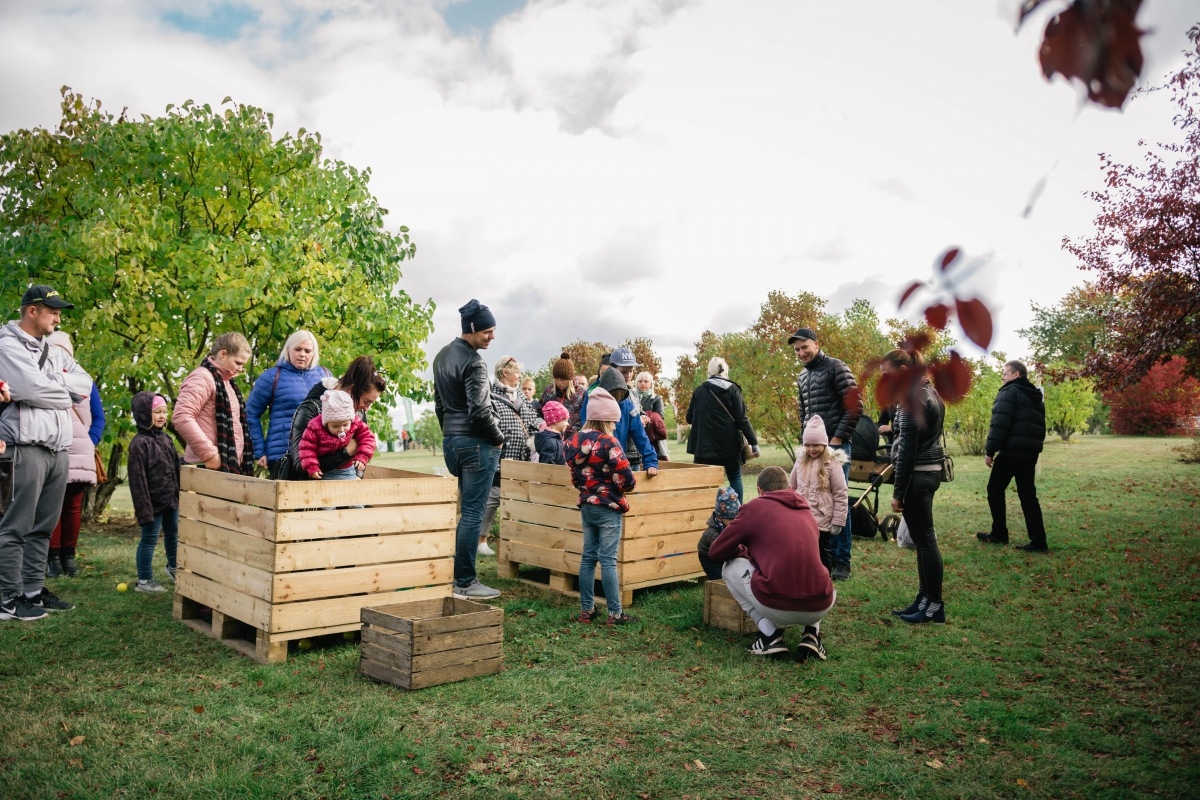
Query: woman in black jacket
x=362, y=382
x=717, y=415
x=917, y=457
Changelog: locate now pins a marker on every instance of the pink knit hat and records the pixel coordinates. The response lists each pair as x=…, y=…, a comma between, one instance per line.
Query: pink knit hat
x=814, y=431
x=603, y=407
x=158, y=402
x=554, y=412
x=337, y=406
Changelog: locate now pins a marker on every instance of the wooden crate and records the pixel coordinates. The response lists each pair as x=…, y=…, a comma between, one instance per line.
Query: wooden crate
x=722, y=611
x=431, y=642
x=283, y=560
x=540, y=525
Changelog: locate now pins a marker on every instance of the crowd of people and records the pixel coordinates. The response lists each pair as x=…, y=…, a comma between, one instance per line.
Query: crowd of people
x=779, y=553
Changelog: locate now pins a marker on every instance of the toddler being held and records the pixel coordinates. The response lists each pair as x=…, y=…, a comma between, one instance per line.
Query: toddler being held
x=327, y=433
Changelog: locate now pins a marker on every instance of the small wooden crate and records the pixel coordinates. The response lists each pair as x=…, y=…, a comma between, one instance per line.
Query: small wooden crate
x=540, y=525
x=431, y=642
x=722, y=611
x=283, y=560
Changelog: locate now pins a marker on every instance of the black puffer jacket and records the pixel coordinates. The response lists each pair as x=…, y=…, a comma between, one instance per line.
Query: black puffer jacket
x=825, y=387
x=1018, y=420
x=714, y=434
x=462, y=397
x=918, y=430
x=153, y=467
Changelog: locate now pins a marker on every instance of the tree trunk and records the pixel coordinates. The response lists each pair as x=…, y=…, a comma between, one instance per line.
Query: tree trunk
x=96, y=498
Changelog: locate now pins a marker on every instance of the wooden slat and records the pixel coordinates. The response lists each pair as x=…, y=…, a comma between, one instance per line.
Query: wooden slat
x=639, y=525
x=457, y=640
x=253, y=551
x=542, y=493
x=679, y=476
x=635, y=574
x=330, y=612
x=658, y=546
x=225, y=486
x=542, y=536
x=398, y=617
x=544, y=557
x=678, y=500
x=289, y=587
x=484, y=617
x=293, y=495
x=363, y=550
x=456, y=672
x=554, y=474
x=339, y=522
x=239, y=517
x=227, y=573
x=553, y=516
x=382, y=672
x=242, y=607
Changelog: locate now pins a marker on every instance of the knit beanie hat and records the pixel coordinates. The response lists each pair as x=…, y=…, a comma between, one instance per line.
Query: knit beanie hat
x=554, y=412
x=337, y=406
x=476, y=317
x=728, y=503
x=564, y=368
x=158, y=402
x=602, y=407
x=814, y=431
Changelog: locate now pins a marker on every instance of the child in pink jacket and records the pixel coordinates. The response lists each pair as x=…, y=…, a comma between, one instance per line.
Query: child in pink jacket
x=328, y=432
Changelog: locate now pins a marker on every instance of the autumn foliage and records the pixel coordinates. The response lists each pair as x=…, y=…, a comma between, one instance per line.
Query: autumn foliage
x=1164, y=403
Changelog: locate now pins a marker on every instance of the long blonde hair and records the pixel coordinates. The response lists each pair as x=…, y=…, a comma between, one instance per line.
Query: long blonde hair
x=827, y=456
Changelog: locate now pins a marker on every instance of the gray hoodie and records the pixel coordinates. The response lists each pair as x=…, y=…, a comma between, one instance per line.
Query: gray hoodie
x=40, y=411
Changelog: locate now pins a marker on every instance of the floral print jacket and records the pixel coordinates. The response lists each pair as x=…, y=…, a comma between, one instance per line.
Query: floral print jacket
x=600, y=470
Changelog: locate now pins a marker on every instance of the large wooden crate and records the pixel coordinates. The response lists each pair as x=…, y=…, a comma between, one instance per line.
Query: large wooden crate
x=722, y=611
x=431, y=642
x=540, y=525
x=283, y=560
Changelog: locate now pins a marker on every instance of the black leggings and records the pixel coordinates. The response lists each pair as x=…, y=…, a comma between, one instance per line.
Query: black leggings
x=918, y=514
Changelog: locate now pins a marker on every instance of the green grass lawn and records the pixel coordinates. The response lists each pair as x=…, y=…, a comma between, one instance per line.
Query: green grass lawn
x=1072, y=674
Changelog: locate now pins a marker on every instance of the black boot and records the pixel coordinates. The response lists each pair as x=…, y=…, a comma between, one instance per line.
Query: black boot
x=825, y=547
x=68, y=564
x=917, y=605
x=53, y=566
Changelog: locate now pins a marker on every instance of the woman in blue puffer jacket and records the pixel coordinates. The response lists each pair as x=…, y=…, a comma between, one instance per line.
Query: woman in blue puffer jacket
x=280, y=390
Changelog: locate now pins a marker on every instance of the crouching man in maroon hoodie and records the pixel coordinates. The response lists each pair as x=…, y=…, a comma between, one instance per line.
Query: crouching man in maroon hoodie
x=773, y=567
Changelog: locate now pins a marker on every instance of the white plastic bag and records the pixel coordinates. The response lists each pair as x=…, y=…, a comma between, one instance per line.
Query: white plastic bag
x=903, y=537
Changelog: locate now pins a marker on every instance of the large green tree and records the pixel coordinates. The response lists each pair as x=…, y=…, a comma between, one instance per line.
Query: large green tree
x=165, y=231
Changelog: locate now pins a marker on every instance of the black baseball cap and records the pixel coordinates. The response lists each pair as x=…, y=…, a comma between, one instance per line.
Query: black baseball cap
x=40, y=293
x=803, y=333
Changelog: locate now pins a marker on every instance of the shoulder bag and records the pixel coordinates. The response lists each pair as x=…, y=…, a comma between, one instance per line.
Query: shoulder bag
x=747, y=449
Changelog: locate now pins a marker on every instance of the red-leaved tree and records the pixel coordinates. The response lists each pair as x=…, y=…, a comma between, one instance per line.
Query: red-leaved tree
x=1164, y=403
x=1146, y=248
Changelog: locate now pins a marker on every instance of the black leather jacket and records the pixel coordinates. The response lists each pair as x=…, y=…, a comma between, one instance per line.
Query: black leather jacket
x=462, y=397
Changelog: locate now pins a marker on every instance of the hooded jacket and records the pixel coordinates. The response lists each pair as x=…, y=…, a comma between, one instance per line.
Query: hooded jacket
x=317, y=441
x=827, y=387
x=282, y=397
x=40, y=411
x=153, y=464
x=1018, y=421
x=462, y=394
x=777, y=532
x=714, y=434
x=630, y=432
x=829, y=507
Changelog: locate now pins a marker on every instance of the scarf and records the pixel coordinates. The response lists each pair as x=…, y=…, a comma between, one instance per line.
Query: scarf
x=226, y=443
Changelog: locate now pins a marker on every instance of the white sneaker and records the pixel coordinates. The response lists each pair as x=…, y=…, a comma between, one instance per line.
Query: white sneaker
x=149, y=586
x=484, y=550
x=476, y=591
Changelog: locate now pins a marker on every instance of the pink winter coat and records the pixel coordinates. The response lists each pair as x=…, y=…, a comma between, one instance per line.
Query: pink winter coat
x=829, y=507
x=195, y=416
x=82, y=454
x=316, y=442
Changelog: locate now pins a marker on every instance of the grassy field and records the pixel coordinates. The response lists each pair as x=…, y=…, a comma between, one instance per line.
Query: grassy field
x=1072, y=674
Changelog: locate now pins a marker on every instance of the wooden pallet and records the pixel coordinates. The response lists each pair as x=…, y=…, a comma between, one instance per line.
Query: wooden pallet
x=283, y=560
x=540, y=525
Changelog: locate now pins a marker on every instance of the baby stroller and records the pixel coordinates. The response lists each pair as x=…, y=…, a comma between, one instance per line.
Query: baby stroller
x=870, y=465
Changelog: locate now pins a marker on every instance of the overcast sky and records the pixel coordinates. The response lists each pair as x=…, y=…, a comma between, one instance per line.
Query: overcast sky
x=604, y=169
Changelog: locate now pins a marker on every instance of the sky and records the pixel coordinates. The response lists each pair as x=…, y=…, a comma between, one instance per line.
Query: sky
x=609, y=169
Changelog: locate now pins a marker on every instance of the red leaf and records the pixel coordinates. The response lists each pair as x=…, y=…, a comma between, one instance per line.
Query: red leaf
x=949, y=257
x=976, y=321
x=896, y=386
x=917, y=342
x=937, y=315
x=418, y=771
x=908, y=293
x=952, y=378
x=1096, y=44
x=198, y=709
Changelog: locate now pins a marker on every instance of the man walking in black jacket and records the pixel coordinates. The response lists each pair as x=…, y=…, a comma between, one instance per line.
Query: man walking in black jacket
x=1014, y=440
x=471, y=436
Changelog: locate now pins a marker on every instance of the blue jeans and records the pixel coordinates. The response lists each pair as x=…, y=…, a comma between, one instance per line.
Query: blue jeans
x=601, y=538
x=474, y=462
x=841, y=542
x=168, y=521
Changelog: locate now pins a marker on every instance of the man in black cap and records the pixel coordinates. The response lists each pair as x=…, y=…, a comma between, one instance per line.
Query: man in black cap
x=44, y=383
x=471, y=436
x=827, y=388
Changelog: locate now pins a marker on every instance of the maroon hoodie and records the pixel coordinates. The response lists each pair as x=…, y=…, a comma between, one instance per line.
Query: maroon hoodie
x=779, y=536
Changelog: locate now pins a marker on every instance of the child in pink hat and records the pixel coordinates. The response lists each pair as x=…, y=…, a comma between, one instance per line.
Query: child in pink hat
x=549, y=442
x=819, y=478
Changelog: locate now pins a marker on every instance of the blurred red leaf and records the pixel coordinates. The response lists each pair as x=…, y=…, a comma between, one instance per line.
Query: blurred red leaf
x=949, y=257
x=916, y=342
x=1097, y=43
x=896, y=387
x=952, y=378
x=937, y=315
x=976, y=321
x=908, y=293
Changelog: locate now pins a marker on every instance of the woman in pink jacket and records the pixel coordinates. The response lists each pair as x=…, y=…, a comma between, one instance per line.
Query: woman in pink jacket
x=210, y=414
